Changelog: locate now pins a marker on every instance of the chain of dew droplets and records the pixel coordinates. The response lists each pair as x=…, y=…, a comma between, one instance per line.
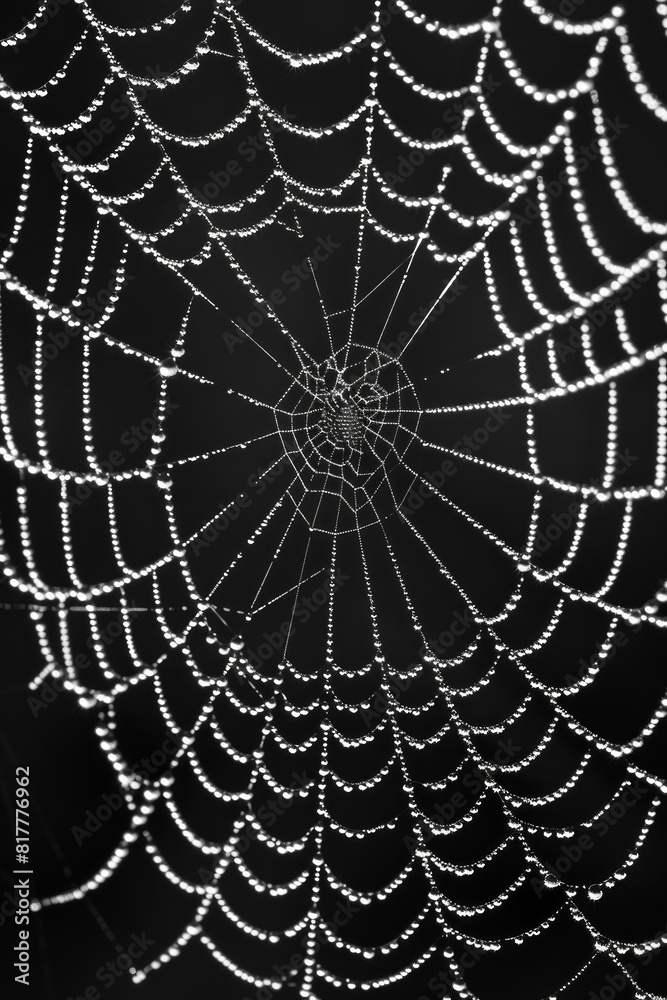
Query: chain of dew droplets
x=140, y=795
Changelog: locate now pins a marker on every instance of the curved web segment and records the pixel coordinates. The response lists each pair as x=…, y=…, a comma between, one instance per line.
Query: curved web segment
x=353, y=479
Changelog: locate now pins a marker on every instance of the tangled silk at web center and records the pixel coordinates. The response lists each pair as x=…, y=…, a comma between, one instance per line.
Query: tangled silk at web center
x=347, y=424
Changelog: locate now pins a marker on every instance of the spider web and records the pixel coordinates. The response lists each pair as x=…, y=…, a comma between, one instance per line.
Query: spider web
x=363, y=476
